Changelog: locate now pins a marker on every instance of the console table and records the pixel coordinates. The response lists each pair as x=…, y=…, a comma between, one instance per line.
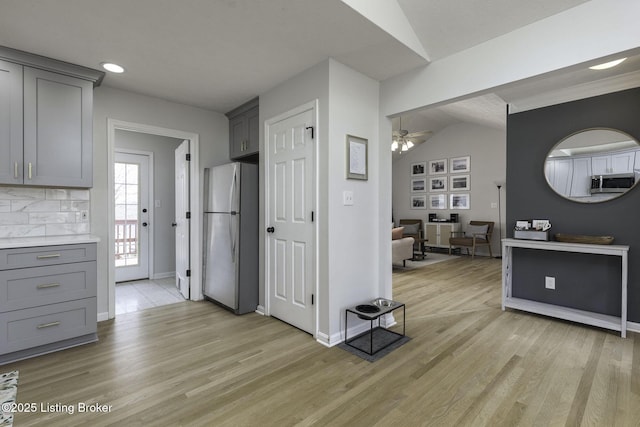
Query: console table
x=589, y=318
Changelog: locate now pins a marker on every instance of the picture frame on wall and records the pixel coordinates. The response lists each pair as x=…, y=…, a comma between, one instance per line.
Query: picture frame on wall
x=460, y=164
x=418, y=169
x=418, y=185
x=438, y=167
x=459, y=201
x=459, y=183
x=438, y=184
x=418, y=202
x=357, y=157
x=438, y=201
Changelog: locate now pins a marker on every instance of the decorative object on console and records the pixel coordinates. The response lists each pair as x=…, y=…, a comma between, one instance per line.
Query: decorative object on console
x=577, y=238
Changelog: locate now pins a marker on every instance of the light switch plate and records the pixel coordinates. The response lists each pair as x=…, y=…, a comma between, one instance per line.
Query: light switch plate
x=347, y=198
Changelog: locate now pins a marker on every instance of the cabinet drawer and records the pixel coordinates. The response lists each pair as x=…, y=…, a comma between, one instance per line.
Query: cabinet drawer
x=46, y=255
x=32, y=287
x=32, y=327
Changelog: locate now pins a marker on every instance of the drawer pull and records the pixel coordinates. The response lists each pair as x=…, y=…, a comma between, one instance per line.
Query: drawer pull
x=15, y=169
x=48, y=256
x=29, y=170
x=48, y=285
x=48, y=325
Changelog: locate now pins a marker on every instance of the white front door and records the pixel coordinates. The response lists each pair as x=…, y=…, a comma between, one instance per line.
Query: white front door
x=290, y=198
x=131, y=185
x=181, y=222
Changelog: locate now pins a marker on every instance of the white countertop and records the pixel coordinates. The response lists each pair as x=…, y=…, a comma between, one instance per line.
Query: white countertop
x=27, y=242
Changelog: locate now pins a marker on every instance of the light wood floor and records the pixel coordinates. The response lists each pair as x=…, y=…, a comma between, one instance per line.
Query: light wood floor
x=468, y=363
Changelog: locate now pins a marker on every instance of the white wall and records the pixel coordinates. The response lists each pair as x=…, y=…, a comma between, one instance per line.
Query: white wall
x=353, y=230
x=164, y=239
x=487, y=149
x=348, y=236
x=212, y=128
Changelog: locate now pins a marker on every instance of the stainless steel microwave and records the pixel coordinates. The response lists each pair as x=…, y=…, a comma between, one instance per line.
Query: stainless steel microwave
x=613, y=183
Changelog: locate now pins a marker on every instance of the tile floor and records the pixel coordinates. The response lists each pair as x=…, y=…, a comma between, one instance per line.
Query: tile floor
x=142, y=294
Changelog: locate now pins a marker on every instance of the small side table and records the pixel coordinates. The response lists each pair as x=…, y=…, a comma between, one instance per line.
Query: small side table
x=421, y=245
x=378, y=337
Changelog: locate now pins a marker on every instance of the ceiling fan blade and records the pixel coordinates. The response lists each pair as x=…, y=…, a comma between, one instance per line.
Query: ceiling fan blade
x=416, y=141
x=419, y=134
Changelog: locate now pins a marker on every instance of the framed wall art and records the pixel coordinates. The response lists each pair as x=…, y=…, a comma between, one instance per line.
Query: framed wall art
x=418, y=185
x=418, y=169
x=418, y=202
x=438, y=201
x=459, y=201
x=437, y=167
x=460, y=164
x=438, y=184
x=458, y=182
x=357, y=157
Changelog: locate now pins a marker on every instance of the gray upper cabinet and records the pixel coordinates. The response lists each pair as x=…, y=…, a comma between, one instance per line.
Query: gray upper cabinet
x=244, y=130
x=46, y=109
x=10, y=123
x=57, y=129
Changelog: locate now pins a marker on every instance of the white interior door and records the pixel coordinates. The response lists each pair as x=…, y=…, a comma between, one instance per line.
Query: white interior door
x=291, y=232
x=181, y=222
x=131, y=189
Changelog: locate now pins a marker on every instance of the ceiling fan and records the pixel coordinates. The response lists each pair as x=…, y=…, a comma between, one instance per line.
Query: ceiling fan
x=403, y=140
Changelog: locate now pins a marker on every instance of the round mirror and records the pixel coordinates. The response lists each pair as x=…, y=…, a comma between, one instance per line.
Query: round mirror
x=593, y=165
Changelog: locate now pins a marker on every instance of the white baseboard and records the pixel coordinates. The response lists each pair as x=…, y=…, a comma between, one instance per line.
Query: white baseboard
x=260, y=310
x=103, y=316
x=164, y=275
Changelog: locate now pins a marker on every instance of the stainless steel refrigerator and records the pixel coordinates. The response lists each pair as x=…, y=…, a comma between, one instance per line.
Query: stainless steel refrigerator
x=230, y=256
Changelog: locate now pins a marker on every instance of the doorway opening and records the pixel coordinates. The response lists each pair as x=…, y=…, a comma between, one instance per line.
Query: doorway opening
x=142, y=216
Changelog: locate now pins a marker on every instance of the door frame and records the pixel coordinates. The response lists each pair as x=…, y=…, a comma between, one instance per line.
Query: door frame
x=150, y=171
x=194, y=195
x=312, y=105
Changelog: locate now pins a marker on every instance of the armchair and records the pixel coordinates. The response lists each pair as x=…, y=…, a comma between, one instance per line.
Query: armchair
x=413, y=228
x=478, y=233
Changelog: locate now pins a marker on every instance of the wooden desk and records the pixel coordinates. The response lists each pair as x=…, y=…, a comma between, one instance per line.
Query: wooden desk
x=566, y=313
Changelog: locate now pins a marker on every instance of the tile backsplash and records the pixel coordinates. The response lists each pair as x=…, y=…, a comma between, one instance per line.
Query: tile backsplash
x=33, y=212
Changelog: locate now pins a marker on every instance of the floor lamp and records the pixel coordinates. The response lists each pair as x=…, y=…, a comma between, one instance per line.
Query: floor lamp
x=499, y=184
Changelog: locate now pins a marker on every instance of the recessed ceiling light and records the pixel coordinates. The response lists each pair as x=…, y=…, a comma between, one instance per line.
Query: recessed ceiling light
x=114, y=68
x=607, y=64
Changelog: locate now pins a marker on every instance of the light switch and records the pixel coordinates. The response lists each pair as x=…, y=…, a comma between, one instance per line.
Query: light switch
x=347, y=198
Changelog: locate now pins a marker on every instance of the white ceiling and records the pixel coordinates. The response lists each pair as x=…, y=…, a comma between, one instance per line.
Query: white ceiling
x=219, y=54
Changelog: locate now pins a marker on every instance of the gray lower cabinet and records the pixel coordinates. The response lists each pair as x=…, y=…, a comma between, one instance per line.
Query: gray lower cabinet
x=47, y=299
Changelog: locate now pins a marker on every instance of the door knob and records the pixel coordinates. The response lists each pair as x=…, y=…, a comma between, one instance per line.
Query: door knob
x=144, y=224
x=144, y=210
x=174, y=224
x=270, y=229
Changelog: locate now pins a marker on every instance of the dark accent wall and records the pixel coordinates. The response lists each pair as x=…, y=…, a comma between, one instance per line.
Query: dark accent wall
x=583, y=281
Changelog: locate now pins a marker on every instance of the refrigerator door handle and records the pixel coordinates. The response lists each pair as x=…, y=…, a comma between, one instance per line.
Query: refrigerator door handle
x=232, y=194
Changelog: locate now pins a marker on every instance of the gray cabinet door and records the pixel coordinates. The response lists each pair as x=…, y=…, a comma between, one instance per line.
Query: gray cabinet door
x=57, y=129
x=253, y=132
x=237, y=136
x=10, y=123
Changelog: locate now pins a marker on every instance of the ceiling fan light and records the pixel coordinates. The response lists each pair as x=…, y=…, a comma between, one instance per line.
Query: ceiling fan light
x=394, y=145
x=404, y=147
x=409, y=144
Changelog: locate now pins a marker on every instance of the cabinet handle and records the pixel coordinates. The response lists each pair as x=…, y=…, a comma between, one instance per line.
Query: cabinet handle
x=15, y=169
x=47, y=325
x=48, y=256
x=29, y=170
x=48, y=285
